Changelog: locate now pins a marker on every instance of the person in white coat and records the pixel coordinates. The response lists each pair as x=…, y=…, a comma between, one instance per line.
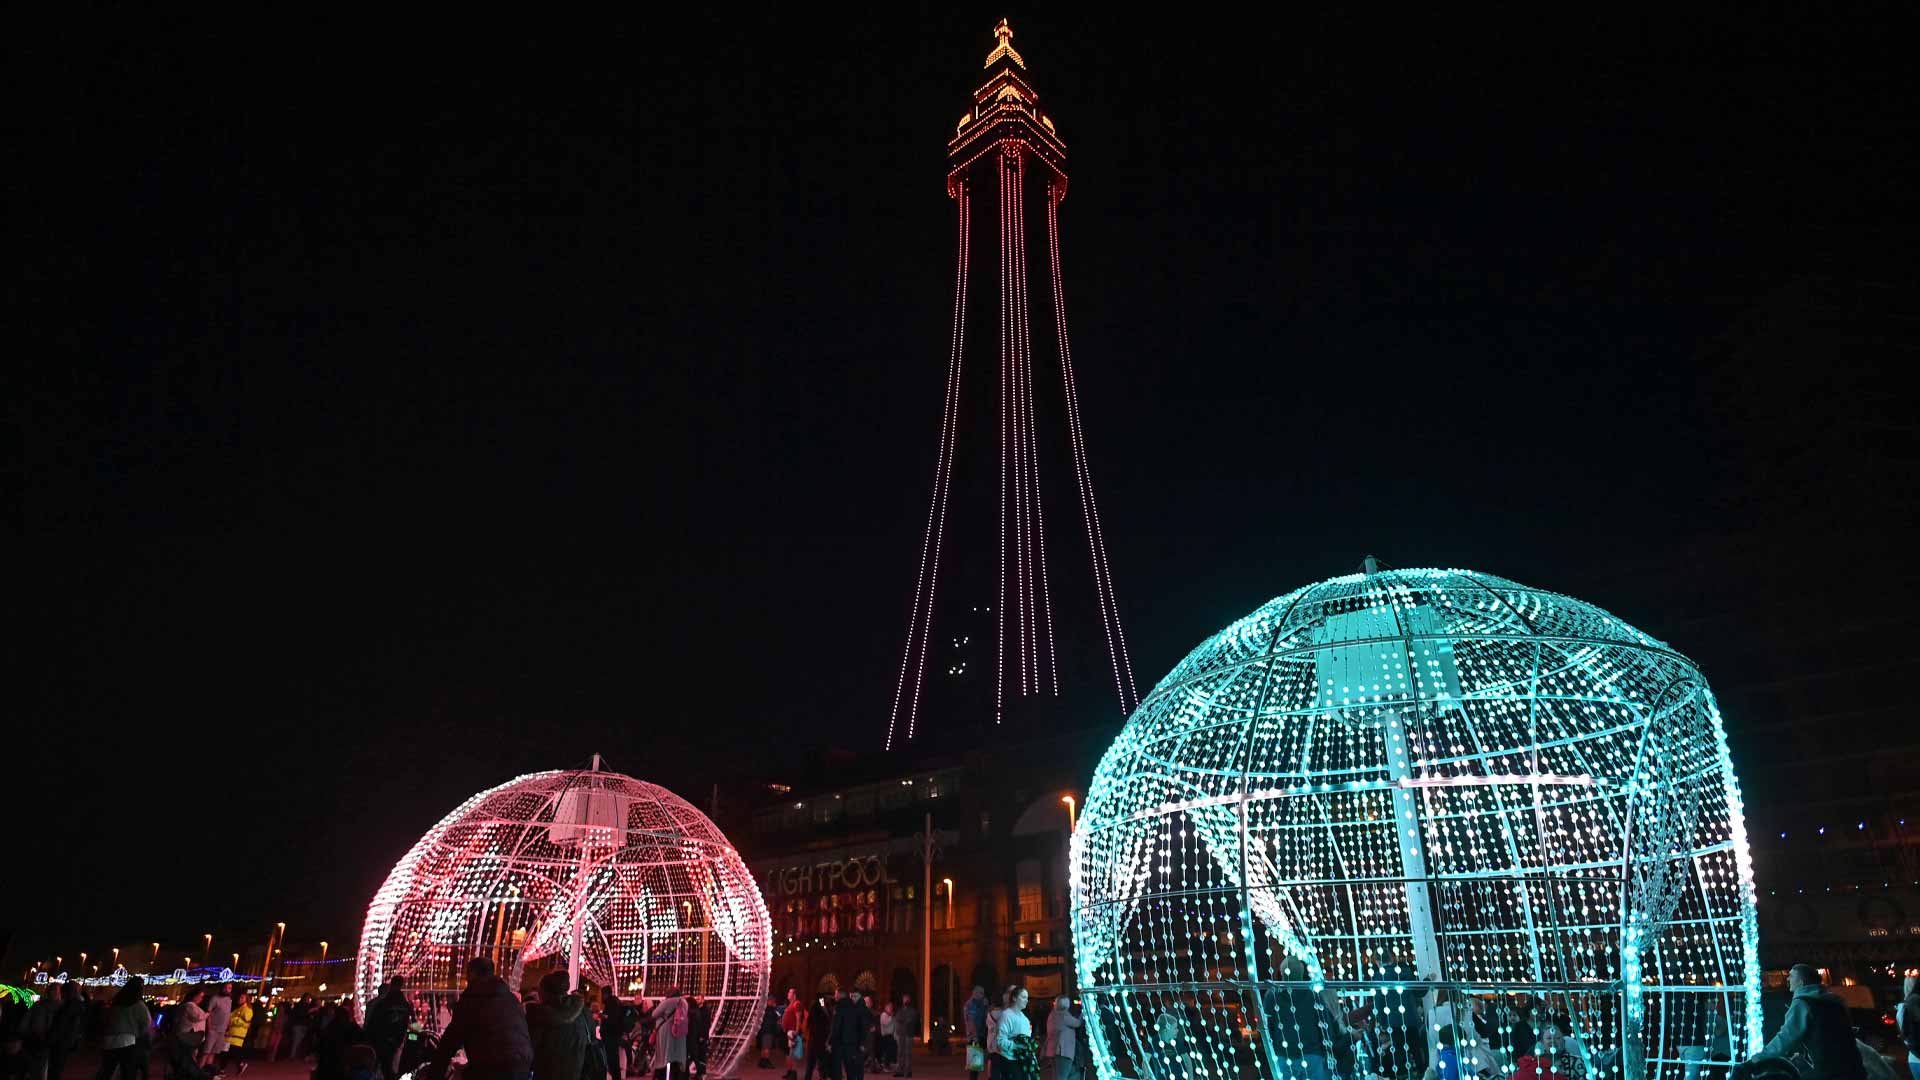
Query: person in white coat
x=1013, y=1036
x=1063, y=1039
x=670, y=1049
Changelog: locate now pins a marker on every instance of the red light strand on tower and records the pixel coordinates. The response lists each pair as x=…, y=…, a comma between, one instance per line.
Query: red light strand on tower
x=1045, y=659
x=937, y=507
x=1103, y=578
x=1000, y=648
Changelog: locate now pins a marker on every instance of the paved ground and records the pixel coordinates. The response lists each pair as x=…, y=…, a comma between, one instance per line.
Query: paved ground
x=86, y=1066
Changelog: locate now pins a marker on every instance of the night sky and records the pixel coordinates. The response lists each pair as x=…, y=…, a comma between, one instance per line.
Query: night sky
x=400, y=408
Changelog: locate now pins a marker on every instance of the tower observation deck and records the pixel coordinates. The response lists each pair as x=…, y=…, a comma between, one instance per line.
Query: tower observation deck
x=997, y=633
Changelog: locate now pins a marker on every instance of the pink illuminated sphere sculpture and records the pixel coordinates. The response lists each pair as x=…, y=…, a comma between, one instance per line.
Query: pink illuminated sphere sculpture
x=620, y=882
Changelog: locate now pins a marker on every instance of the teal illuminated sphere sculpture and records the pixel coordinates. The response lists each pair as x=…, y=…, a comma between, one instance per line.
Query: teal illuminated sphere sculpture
x=1344, y=818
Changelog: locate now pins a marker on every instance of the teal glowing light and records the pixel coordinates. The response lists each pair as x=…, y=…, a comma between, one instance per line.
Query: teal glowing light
x=1344, y=817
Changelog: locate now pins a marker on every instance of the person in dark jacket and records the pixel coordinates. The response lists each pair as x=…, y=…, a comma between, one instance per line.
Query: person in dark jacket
x=819, y=1025
x=560, y=1029
x=616, y=1020
x=69, y=1023
x=847, y=1039
x=388, y=1017
x=337, y=1037
x=1817, y=1026
x=490, y=1025
x=1909, y=1020
x=699, y=1021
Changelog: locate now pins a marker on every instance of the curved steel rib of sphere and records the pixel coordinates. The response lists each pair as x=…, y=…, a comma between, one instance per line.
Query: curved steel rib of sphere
x=1350, y=819
x=644, y=882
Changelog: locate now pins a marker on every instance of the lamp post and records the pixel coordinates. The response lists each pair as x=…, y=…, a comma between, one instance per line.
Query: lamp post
x=323, y=952
x=151, y=960
x=206, y=948
x=83, y=961
x=116, y=956
x=1068, y=799
x=948, y=882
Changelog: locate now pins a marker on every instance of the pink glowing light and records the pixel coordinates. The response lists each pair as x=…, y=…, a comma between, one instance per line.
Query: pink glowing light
x=621, y=882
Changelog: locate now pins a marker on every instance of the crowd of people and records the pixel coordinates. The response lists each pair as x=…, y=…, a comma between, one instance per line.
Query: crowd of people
x=839, y=1035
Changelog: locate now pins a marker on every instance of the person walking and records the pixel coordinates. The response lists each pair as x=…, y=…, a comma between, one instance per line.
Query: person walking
x=33, y=1035
x=1817, y=1026
x=793, y=1024
x=63, y=1037
x=489, y=1024
x=884, y=1053
x=819, y=1026
x=699, y=1026
x=974, y=1017
x=560, y=1030
x=126, y=1034
x=389, y=1015
x=906, y=1027
x=1908, y=1017
x=1014, y=1056
x=239, y=1022
x=188, y=1035
x=1063, y=1037
x=770, y=1031
x=670, y=1025
x=616, y=1020
x=219, y=1010
x=299, y=1023
x=847, y=1039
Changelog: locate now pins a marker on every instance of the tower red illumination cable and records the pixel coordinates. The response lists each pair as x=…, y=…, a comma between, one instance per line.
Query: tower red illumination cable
x=1006, y=131
x=936, y=507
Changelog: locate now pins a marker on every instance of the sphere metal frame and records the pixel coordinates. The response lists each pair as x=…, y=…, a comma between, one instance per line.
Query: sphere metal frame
x=623, y=881
x=1405, y=789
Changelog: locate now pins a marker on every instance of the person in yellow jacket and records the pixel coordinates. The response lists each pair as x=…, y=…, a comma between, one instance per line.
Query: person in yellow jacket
x=236, y=1035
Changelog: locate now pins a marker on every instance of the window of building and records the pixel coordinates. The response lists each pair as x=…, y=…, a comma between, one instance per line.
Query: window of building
x=1033, y=905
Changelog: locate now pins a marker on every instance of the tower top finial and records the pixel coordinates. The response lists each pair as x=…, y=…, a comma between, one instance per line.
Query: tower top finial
x=1004, y=35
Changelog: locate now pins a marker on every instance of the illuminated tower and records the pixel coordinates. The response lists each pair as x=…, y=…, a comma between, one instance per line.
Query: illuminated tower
x=982, y=633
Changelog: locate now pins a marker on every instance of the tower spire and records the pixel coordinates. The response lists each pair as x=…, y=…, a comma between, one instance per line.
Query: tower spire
x=1006, y=153
x=1004, y=35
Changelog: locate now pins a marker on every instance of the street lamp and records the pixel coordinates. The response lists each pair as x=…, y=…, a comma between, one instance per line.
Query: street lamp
x=116, y=956
x=152, y=960
x=1068, y=799
x=206, y=948
x=236, y=959
x=323, y=952
x=83, y=960
x=948, y=882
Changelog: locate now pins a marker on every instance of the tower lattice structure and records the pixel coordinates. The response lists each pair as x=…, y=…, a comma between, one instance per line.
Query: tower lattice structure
x=1007, y=158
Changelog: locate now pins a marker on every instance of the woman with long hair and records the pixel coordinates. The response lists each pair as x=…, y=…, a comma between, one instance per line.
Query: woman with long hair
x=127, y=1033
x=1017, y=1056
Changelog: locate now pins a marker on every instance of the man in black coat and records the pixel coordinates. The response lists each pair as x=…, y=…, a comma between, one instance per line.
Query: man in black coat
x=388, y=1017
x=848, y=1039
x=489, y=1023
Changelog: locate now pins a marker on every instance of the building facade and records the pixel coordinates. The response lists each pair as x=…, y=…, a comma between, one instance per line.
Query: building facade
x=842, y=862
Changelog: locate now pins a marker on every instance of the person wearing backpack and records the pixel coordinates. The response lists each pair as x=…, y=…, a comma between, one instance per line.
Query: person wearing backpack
x=670, y=1037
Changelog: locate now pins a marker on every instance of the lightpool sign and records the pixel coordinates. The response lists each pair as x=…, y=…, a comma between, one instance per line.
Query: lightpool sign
x=832, y=875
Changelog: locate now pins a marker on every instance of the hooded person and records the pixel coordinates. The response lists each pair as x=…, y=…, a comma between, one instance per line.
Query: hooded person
x=561, y=1031
x=670, y=1022
x=489, y=1024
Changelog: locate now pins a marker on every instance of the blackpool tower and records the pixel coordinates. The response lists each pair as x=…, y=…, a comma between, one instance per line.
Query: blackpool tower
x=998, y=633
